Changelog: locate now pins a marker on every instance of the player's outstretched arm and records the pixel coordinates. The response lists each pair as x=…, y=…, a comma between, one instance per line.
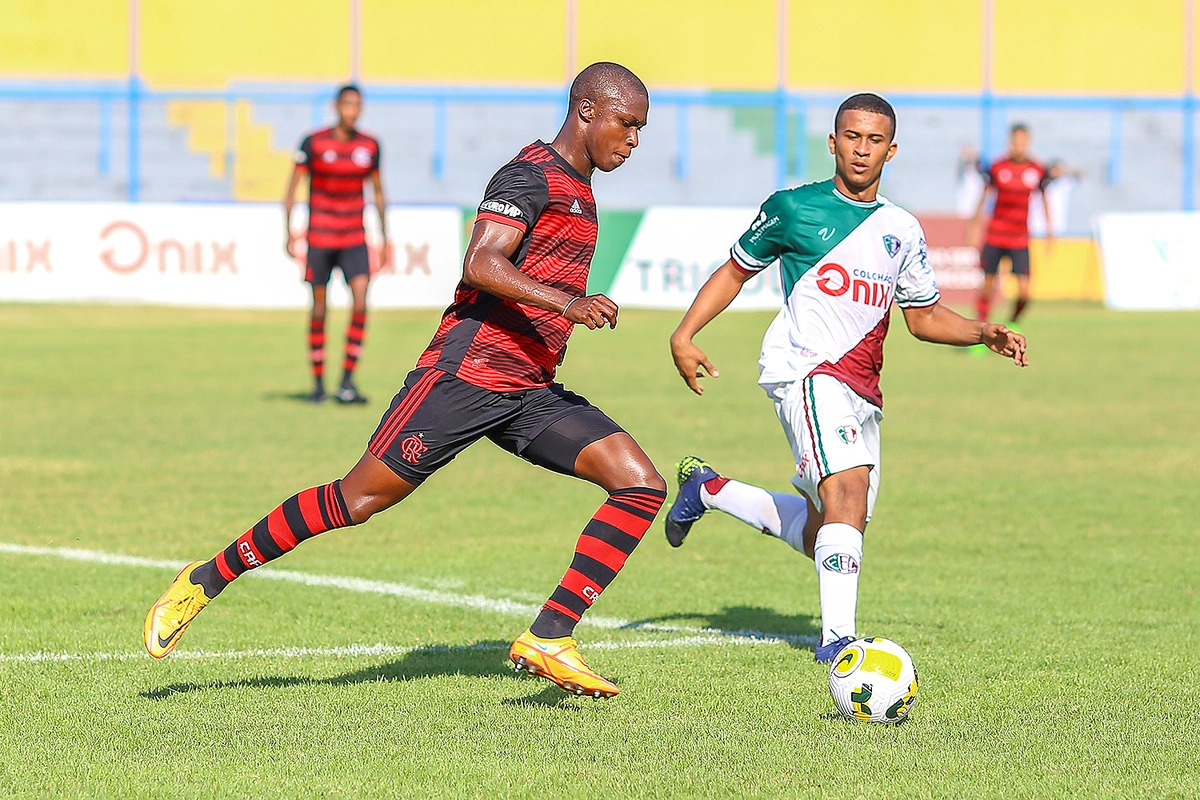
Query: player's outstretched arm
x=941, y=325
x=488, y=267
x=714, y=297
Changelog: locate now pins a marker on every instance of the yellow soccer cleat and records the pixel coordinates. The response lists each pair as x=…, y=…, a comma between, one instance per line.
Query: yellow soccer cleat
x=174, y=611
x=559, y=661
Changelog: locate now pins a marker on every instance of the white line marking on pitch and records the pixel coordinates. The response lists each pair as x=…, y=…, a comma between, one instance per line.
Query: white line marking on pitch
x=431, y=596
x=374, y=650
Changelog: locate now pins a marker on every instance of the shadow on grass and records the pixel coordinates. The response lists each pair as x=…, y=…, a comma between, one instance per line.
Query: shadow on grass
x=550, y=697
x=474, y=660
x=297, y=397
x=799, y=632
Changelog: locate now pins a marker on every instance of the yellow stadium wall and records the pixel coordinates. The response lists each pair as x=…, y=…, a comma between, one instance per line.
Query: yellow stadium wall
x=1061, y=47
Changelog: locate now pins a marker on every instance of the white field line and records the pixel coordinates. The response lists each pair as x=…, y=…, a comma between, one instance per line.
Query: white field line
x=430, y=596
x=374, y=650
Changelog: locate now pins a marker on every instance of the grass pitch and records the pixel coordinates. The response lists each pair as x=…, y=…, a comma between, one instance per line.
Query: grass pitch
x=1034, y=548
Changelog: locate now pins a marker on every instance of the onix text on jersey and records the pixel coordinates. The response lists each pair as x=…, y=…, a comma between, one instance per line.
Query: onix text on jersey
x=868, y=288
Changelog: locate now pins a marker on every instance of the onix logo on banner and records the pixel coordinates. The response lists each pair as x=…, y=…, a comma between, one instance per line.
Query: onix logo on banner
x=835, y=281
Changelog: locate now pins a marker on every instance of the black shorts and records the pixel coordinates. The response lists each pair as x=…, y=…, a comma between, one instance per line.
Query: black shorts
x=320, y=262
x=1019, y=256
x=437, y=415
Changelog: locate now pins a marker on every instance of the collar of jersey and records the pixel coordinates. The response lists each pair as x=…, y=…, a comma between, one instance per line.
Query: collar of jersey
x=852, y=201
x=566, y=164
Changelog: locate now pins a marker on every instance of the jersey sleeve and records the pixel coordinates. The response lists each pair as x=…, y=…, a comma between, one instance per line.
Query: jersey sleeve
x=304, y=154
x=762, y=243
x=916, y=284
x=377, y=158
x=516, y=196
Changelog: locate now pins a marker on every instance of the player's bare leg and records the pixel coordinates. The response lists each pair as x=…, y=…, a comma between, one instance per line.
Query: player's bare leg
x=356, y=333
x=1022, y=300
x=316, y=343
x=370, y=487
x=837, y=551
x=636, y=491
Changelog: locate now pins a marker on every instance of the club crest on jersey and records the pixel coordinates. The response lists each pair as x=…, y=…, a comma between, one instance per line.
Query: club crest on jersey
x=891, y=244
x=361, y=157
x=412, y=448
x=575, y=207
x=841, y=563
x=848, y=434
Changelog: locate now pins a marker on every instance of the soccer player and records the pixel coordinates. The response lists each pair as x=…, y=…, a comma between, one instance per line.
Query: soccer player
x=337, y=160
x=845, y=255
x=1012, y=180
x=489, y=372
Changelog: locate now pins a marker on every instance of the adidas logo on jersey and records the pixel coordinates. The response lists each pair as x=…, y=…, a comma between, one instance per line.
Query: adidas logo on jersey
x=575, y=207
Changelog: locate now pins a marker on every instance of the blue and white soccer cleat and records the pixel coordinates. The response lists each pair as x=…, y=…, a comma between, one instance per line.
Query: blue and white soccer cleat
x=691, y=473
x=827, y=653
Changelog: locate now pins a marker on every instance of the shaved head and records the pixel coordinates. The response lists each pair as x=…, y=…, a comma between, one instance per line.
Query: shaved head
x=605, y=80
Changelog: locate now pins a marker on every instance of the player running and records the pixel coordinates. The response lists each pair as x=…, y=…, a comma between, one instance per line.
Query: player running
x=1013, y=179
x=489, y=372
x=337, y=160
x=845, y=255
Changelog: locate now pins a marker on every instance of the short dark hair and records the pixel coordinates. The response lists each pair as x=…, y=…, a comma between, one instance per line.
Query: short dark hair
x=866, y=101
x=604, y=79
x=1020, y=126
x=349, y=87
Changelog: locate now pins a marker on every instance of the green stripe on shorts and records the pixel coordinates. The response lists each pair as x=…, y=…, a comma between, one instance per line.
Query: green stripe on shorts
x=812, y=403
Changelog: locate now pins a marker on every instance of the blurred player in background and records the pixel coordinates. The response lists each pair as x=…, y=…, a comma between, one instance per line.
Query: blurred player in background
x=488, y=372
x=845, y=255
x=338, y=161
x=1012, y=180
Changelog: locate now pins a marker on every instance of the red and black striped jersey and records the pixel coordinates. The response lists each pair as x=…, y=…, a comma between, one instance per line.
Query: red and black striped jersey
x=335, y=199
x=505, y=346
x=1015, y=181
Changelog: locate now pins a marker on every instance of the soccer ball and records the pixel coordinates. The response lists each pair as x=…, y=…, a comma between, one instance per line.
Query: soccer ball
x=873, y=680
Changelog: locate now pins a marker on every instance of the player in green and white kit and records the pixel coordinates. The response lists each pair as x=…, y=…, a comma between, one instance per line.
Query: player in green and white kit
x=845, y=255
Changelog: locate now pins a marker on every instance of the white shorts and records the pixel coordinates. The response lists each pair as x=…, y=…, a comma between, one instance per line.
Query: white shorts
x=830, y=428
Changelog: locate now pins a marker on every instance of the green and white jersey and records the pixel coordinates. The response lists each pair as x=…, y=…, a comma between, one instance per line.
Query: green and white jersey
x=842, y=264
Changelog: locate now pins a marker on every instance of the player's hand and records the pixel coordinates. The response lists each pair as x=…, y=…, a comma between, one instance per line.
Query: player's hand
x=688, y=360
x=1048, y=244
x=594, y=311
x=1001, y=340
x=973, y=235
x=385, y=253
x=289, y=245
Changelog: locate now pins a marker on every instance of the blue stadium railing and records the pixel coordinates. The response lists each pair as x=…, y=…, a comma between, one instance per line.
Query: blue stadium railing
x=788, y=107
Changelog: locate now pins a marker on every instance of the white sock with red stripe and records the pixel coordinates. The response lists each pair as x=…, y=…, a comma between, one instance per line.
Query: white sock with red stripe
x=781, y=515
x=838, y=554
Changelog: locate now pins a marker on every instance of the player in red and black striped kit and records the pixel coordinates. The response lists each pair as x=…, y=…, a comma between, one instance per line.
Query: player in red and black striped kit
x=1013, y=179
x=338, y=161
x=489, y=372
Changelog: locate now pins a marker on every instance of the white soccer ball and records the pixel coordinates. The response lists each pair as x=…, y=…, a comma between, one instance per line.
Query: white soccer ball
x=873, y=680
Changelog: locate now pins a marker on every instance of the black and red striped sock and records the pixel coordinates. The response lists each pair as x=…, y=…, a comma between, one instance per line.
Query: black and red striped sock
x=356, y=333
x=302, y=516
x=606, y=542
x=1018, y=307
x=316, y=348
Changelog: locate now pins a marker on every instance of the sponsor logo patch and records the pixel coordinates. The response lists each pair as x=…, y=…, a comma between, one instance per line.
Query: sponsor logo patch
x=841, y=563
x=500, y=207
x=575, y=207
x=412, y=448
